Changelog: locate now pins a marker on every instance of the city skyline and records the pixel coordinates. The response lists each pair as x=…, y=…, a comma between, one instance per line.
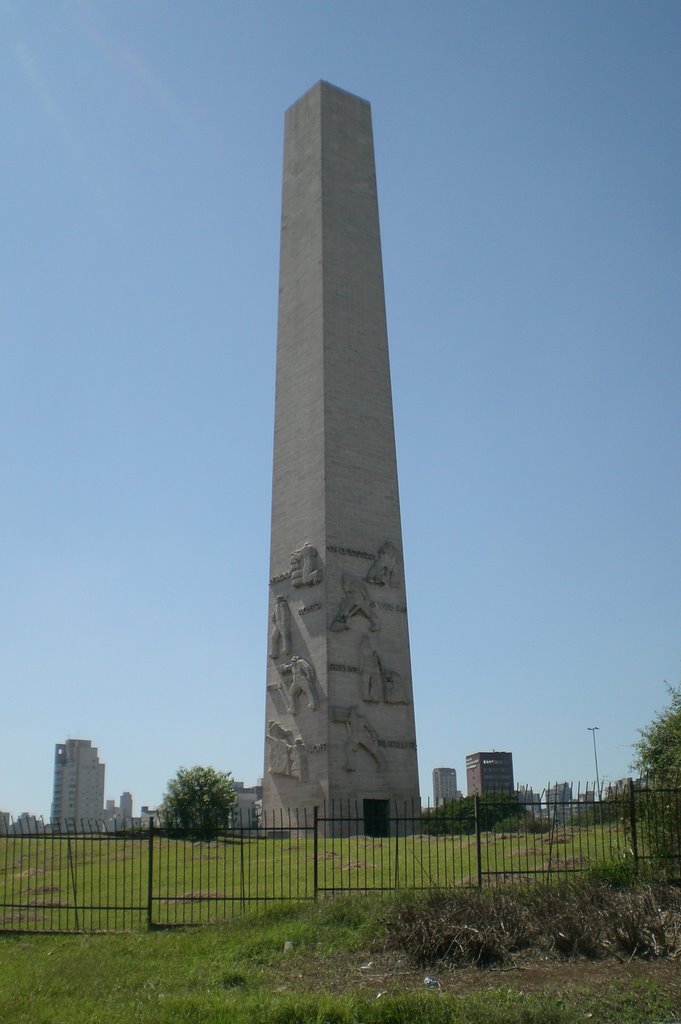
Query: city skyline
x=528, y=175
x=428, y=797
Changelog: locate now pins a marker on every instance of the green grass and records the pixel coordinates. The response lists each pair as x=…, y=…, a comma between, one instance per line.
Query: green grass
x=238, y=973
x=101, y=883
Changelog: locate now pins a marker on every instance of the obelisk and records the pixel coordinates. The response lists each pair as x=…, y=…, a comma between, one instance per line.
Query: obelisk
x=339, y=727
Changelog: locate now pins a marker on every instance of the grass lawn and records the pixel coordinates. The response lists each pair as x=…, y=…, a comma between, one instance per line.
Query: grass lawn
x=302, y=964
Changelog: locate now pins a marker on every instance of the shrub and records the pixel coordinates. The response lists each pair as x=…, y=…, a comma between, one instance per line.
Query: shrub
x=584, y=919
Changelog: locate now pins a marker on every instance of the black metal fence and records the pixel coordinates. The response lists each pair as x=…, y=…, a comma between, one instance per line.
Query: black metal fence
x=106, y=880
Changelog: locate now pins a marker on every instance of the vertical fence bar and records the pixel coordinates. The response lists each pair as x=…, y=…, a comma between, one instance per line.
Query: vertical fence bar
x=242, y=865
x=5, y=845
x=478, y=838
x=29, y=874
x=315, y=852
x=91, y=900
x=150, y=874
x=632, y=823
x=72, y=873
x=397, y=851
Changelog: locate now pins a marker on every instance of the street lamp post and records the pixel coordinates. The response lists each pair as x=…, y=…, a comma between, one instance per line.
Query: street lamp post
x=593, y=729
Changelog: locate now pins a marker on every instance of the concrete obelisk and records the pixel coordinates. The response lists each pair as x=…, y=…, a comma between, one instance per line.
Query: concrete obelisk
x=340, y=716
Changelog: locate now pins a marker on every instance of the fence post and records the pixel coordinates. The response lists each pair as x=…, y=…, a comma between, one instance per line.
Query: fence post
x=478, y=837
x=150, y=873
x=242, y=864
x=72, y=871
x=632, y=823
x=315, y=851
x=397, y=849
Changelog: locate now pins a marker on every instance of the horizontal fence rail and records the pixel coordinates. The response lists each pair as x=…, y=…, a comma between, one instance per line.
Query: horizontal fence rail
x=98, y=880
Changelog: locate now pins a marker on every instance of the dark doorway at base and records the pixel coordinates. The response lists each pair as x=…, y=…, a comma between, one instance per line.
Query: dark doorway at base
x=376, y=818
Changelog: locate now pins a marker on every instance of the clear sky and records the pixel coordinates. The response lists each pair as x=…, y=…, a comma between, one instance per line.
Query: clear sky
x=529, y=170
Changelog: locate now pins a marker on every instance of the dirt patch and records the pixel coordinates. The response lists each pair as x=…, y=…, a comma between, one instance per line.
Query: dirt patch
x=384, y=972
x=526, y=974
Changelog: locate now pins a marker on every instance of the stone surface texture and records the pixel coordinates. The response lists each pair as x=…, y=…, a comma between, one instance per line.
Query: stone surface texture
x=339, y=722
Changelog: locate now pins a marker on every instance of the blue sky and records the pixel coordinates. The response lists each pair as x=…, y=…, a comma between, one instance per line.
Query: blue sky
x=528, y=160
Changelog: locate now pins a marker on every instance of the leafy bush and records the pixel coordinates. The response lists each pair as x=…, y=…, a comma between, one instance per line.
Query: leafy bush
x=619, y=873
x=658, y=751
x=536, y=824
x=198, y=802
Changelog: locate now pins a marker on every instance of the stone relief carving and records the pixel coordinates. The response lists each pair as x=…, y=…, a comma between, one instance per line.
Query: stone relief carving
x=378, y=682
x=371, y=674
x=359, y=733
x=394, y=689
x=306, y=609
x=280, y=637
x=384, y=568
x=302, y=680
x=306, y=568
x=287, y=755
x=355, y=601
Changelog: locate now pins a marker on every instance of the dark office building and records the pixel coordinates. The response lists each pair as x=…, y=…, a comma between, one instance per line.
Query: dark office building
x=489, y=771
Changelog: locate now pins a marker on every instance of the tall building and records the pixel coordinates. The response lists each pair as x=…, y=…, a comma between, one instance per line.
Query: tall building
x=118, y=816
x=339, y=723
x=558, y=800
x=78, y=797
x=444, y=785
x=531, y=801
x=126, y=806
x=28, y=824
x=489, y=771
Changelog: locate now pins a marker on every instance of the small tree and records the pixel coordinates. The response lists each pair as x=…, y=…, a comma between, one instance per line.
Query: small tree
x=198, y=802
x=658, y=752
x=658, y=759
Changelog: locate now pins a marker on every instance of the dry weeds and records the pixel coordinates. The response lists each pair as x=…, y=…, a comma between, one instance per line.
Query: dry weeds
x=459, y=927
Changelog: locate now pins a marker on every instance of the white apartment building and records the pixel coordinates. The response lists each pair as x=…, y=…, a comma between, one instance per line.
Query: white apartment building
x=78, y=796
x=559, y=801
x=247, y=807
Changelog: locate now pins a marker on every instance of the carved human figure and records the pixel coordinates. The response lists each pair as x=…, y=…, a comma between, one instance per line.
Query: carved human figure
x=280, y=742
x=280, y=637
x=359, y=733
x=370, y=672
x=287, y=756
x=378, y=682
x=299, y=760
x=394, y=689
x=384, y=567
x=355, y=601
x=306, y=569
x=302, y=681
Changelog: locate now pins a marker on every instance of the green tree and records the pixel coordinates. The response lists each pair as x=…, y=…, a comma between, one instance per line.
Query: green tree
x=198, y=802
x=457, y=817
x=658, y=751
x=658, y=760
